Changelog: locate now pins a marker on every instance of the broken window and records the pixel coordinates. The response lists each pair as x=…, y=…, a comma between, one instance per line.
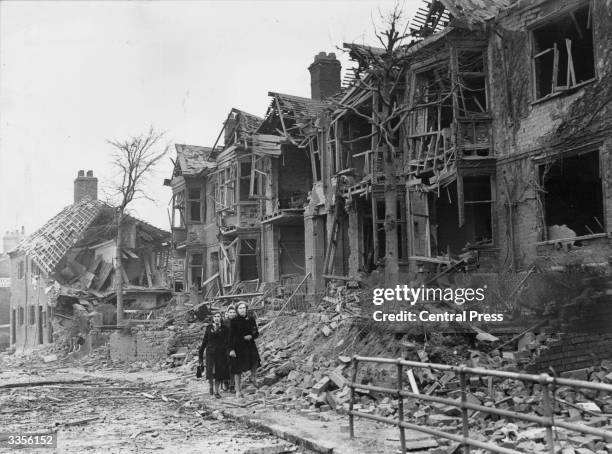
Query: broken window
x=194, y=202
x=430, y=121
x=259, y=176
x=572, y=197
x=227, y=265
x=471, y=83
x=225, y=188
x=214, y=261
x=563, y=53
x=379, y=221
x=247, y=253
x=355, y=146
x=196, y=270
x=35, y=269
x=178, y=209
x=245, y=180
x=32, y=315
x=475, y=211
x=460, y=215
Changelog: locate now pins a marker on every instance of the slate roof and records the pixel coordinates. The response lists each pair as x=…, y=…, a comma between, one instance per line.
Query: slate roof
x=192, y=159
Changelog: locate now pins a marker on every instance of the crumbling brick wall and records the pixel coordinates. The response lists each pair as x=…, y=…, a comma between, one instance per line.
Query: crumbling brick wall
x=524, y=127
x=574, y=351
x=139, y=345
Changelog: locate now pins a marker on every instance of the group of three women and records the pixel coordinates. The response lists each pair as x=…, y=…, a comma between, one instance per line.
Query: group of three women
x=230, y=348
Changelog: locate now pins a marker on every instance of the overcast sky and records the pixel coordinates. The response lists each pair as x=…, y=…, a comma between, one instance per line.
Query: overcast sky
x=74, y=74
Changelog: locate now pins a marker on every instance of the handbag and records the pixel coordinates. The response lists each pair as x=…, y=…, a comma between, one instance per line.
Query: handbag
x=199, y=371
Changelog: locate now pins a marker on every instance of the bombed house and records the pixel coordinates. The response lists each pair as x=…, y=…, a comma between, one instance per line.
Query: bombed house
x=238, y=207
x=501, y=154
x=62, y=275
x=498, y=154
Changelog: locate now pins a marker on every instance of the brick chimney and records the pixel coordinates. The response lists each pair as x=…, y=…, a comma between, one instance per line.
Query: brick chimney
x=324, y=75
x=12, y=238
x=85, y=186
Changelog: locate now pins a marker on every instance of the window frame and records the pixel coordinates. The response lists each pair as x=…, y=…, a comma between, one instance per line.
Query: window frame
x=492, y=202
x=259, y=176
x=557, y=90
x=539, y=163
x=193, y=200
x=191, y=267
x=179, y=206
x=225, y=188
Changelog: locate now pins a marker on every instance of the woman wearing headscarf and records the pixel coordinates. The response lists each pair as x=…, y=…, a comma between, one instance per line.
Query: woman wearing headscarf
x=215, y=343
x=243, y=332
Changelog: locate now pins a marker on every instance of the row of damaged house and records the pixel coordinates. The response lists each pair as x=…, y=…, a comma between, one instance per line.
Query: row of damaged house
x=502, y=157
x=62, y=275
x=238, y=206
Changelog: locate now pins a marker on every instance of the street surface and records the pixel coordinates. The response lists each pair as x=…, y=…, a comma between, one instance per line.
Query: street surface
x=111, y=415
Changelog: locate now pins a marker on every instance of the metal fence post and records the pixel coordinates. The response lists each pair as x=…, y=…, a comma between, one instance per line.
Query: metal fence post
x=548, y=412
x=400, y=404
x=464, y=411
x=351, y=401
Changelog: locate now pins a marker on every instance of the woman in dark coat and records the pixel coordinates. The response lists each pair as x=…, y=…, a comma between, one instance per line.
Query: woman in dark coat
x=243, y=332
x=230, y=314
x=215, y=343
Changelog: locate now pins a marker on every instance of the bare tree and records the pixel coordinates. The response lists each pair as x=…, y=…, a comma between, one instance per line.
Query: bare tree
x=134, y=158
x=381, y=71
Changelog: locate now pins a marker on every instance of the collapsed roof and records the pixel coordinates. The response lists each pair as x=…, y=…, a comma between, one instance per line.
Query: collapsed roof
x=48, y=245
x=192, y=159
x=288, y=115
x=476, y=11
x=85, y=222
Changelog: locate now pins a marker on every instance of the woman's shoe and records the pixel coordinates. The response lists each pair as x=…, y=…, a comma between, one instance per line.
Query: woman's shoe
x=217, y=396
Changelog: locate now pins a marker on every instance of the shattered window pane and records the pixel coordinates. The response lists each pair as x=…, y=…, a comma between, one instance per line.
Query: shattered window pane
x=563, y=53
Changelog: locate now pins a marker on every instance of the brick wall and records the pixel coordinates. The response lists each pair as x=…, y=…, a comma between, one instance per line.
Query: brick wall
x=574, y=351
x=139, y=345
x=25, y=293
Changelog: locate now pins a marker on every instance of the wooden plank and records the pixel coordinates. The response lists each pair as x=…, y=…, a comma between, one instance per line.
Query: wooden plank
x=238, y=295
x=148, y=271
x=105, y=270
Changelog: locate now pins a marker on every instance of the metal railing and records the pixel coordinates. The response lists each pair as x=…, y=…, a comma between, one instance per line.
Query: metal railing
x=547, y=421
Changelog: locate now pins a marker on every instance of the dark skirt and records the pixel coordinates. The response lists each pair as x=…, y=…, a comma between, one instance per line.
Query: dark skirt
x=247, y=357
x=217, y=366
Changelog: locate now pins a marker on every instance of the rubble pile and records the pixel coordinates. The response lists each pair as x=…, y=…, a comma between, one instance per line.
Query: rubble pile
x=308, y=370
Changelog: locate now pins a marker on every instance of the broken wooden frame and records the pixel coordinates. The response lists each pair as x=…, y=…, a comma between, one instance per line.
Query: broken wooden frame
x=178, y=209
x=448, y=113
x=548, y=421
x=555, y=68
x=225, y=188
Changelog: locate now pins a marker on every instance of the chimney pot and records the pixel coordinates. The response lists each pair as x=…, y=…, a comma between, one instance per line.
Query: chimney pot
x=81, y=173
x=90, y=173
